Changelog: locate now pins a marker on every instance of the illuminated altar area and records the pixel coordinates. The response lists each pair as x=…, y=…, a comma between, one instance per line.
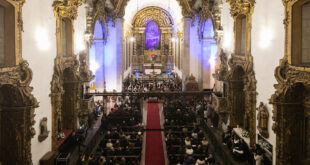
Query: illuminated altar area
x=152, y=38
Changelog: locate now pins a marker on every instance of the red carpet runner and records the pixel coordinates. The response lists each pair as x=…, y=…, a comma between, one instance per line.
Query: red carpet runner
x=154, y=152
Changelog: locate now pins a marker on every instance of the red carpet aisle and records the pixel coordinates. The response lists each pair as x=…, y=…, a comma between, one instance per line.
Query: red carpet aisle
x=154, y=153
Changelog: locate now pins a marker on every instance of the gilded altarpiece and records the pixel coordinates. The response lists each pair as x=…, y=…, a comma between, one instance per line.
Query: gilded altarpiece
x=240, y=78
x=65, y=85
x=291, y=101
x=152, y=30
x=17, y=104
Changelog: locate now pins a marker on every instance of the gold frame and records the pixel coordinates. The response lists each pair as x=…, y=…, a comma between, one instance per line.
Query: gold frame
x=64, y=10
x=242, y=7
x=287, y=76
x=20, y=113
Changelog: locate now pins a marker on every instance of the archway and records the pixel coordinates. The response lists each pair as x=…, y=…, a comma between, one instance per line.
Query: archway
x=16, y=117
x=238, y=98
x=294, y=141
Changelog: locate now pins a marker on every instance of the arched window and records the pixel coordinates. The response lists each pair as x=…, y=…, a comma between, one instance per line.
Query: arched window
x=7, y=34
x=240, y=35
x=301, y=33
x=66, y=37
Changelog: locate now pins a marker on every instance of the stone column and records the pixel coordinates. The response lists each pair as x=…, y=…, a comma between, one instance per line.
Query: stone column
x=99, y=57
x=119, y=51
x=185, y=50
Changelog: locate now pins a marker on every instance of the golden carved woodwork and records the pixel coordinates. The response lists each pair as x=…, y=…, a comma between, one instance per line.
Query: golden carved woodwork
x=220, y=105
x=160, y=16
x=238, y=7
x=17, y=106
x=245, y=63
x=58, y=91
x=284, y=111
x=66, y=8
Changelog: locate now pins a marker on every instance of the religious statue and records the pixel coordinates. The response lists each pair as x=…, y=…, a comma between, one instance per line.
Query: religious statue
x=262, y=118
x=43, y=130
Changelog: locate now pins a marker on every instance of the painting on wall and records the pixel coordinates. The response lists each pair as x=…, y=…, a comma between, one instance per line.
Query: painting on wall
x=152, y=36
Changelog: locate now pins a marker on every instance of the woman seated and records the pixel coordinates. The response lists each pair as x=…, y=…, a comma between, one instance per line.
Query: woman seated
x=189, y=150
x=187, y=141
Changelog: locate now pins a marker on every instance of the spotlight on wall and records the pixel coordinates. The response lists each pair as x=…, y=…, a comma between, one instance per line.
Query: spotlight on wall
x=265, y=37
x=93, y=66
x=41, y=37
x=132, y=39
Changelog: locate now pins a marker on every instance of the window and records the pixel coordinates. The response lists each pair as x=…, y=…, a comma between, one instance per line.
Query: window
x=301, y=33
x=241, y=35
x=7, y=34
x=66, y=37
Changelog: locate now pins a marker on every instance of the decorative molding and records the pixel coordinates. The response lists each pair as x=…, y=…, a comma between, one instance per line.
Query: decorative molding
x=18, y=109
x=66, y=8
x=159, y=15
x=244, y=7
x=57, y=91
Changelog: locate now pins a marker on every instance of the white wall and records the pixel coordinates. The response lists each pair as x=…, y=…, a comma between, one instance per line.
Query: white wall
x=228, y=29
x=267, y=49
x=195, y=52
x=39, y=49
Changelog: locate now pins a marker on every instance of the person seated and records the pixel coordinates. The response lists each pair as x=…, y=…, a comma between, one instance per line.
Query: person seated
x=240, y=150
x=187, y=141
x=258, y=157
x=204, y=142
x=210, y=160
x=189, y=150
x=200, y=161
x=189, y=160
x=109, y=144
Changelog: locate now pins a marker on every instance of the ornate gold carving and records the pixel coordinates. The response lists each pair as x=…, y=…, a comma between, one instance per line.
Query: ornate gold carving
x=244, y=7
x=17, y=113
x=66, y=8
x=57, y=91
x=159, y=15
x=262, y=118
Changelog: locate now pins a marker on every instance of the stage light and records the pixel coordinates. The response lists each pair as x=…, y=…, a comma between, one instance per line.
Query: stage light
x=132, y=39
x=41, y=37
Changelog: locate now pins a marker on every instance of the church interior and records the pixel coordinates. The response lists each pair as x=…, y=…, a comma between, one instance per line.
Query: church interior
x=154, y=82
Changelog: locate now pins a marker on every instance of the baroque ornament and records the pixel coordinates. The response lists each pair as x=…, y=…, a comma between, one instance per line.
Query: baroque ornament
x=243, y=64
x=287, y=110
x=66, y=8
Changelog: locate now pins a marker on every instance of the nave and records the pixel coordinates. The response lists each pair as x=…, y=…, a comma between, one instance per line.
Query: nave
x=155, y=131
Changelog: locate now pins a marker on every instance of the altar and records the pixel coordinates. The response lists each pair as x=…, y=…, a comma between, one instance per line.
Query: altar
x=150, y=68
